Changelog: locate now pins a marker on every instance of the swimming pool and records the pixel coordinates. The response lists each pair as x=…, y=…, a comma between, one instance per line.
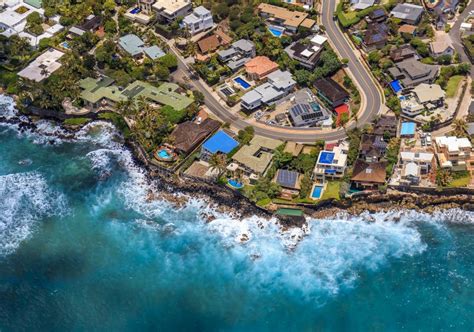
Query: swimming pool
x=317, y=192
x=164, y=154
x=236, y=184
x=243, y=83
x=135, y=10
x=275, y=31
x=65, y=45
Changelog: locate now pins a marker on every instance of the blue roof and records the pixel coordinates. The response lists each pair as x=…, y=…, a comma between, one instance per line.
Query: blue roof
x=408, y=129
x=396, y=86
x=326, y=157
x=220, y=142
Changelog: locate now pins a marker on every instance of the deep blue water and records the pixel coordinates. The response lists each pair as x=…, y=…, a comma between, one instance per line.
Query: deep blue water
x=81, y=248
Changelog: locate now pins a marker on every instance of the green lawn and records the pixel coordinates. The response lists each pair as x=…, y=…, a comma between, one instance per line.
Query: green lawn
x=460, y=179
x=453, y=85
x=332, y=190
x=76, y=121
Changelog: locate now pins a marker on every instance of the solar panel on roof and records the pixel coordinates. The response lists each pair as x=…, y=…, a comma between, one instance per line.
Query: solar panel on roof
x=287, y=178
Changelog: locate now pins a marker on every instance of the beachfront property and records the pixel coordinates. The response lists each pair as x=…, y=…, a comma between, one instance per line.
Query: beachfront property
x=13, y=21
x=199, y=20
x=186, y=136
x=142, y=12
x=412, y=72
x=238, y=54
x=307, y=53
x=43, y=66
x=330, y=92
x=368, y=175
x=101, y=93
x=169, y=10
x=219, y=143
x=454, y=153
x=408, y=13
x=133, y=46
x=91, y=24
x=255, y=158
x=289, y=181
x=279, y=84
x=331, y=163
x=424, y=97
x=287, y=19
x=414, y=165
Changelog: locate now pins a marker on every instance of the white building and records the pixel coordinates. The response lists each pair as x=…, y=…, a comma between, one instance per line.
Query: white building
x=423, y=97
x=170, y=10
x=454, y=153
x=43, y=66
x=199, y=20
x=331, y=164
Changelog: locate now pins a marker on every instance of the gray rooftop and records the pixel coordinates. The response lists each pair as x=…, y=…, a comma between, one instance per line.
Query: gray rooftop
x=244, y=45
x=407, y=11
x=154, y=52
x=234, y=65
x=132, y=44
x=201, y=11
x=281, y=79
x=227, y=53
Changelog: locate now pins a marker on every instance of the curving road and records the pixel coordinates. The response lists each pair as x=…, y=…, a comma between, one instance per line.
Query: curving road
x=370, y=95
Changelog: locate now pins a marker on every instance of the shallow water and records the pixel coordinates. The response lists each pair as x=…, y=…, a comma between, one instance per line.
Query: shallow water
x=81, y=248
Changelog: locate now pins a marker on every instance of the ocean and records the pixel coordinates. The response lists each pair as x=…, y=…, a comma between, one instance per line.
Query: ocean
x=82, y=248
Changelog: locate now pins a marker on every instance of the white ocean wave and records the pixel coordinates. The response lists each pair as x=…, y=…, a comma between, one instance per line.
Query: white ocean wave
x=26, y=199
x=7, y=107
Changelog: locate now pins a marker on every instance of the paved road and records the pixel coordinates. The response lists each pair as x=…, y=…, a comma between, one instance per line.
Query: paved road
x=455, y=33
x=368, y=90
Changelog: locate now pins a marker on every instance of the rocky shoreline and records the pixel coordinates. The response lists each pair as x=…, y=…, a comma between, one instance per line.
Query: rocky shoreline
x=178, y=190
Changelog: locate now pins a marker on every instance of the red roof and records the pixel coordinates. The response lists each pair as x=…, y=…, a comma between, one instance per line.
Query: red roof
x=330, y=146
x=340, y=110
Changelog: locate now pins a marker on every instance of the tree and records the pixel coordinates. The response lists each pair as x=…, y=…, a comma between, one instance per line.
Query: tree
x=198, y=97
x=169, y=61
x=109, y=5
x=443, y=177
x=245, y=135
x=218, y=163
x=161, y=72
x=89, y=61
x=459, y=127
x=303, y=77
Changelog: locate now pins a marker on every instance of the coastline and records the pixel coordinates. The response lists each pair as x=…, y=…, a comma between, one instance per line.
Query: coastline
x=178, y=189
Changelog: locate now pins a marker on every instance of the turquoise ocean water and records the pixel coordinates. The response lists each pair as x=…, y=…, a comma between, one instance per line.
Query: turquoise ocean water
x=81, y=248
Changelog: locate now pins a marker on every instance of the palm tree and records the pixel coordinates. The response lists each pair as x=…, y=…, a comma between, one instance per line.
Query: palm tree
x=459, y=127
x=218, y=162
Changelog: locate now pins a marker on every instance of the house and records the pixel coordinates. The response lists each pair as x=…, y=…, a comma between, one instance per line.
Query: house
x=288, y=19
x=412, y=72
x=331, y=163
x=132, y=45
x=307, y=54
x=453, y=152
x=209, y=44
x=375, y=37
x=306, y=4
x=91, y=24
x=169, y=10
x=307, y=114
x=368, y=176
x=407, y=29
x=408, y=13
x=386, y=125
x=415, y=165
x=142, y=12
x=188, y=135
x=362, y=4
x=401, y=53
x=408, y=129
x=289, y=181
x=377, y=15
x=199, y=20
x=442, y=46
x=238, y=54
x=372, y=148
x=43, y=66
x=330, y=92
x=424, y=97
x=101, y=93
x=278, y=85
x=221, y=142
x=259, y=67
x=340, y=111
x=255, y=158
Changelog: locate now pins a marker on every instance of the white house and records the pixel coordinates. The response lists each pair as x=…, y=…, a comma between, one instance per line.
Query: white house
x=199, y=20
x=331, y=163
x=170, y=10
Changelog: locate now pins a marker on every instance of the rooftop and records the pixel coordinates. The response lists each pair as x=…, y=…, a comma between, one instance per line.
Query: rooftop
x=260, y=65
x=287, y=179
x=408, y=129
x=209, y=44
x=369, y=172
x=43, y=66
x=407, y=11
x=170, y=6
x=187, y=135
x=331, y=89
x=154, y=52
x=132, y=44
x=428, y=92
x=419, y=157
x=453, y=143
x=253, y=157
x=220, y=142
x=289, y=17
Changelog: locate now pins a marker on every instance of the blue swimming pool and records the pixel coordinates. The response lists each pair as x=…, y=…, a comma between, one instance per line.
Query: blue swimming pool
x=243, y=83
x=65, y=45
x=135, y=10
x=277, y=32
x=236, y=184
x=164, y=154
x=317, y=192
